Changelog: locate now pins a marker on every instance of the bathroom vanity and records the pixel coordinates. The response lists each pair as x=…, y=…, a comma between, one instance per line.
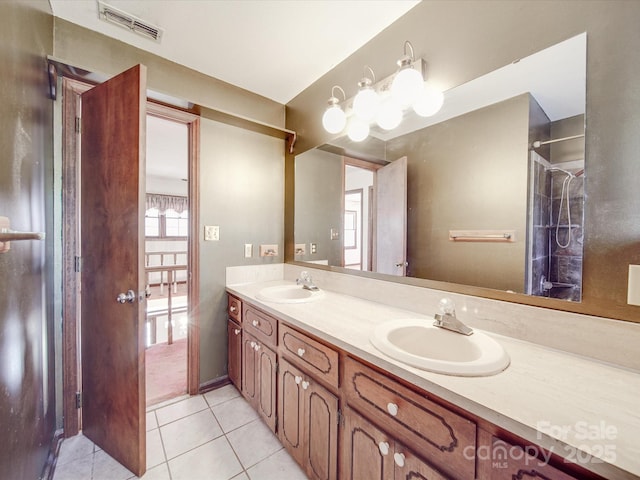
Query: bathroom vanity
x=344, y=410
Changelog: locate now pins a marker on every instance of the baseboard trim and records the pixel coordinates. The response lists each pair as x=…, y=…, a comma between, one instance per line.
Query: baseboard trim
x=54, y=449
x=213, y=384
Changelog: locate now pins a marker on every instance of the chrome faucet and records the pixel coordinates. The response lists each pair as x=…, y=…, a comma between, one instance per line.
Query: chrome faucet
x=448, y=320
x=306, y=281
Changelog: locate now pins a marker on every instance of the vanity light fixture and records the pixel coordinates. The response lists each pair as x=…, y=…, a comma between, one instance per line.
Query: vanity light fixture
x=366, y=101
x=384, y=101
x=334, y=118
x=408, y=82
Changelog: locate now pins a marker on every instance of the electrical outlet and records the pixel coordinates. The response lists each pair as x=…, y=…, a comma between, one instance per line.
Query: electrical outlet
x=301, y=248
x=248, y=250
x=211, y=233
x=334, y=234
x=314, y=248
x=633, y=292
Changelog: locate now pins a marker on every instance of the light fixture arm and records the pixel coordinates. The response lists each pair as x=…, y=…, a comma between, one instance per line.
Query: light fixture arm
x=406, y=59
x=333, y=100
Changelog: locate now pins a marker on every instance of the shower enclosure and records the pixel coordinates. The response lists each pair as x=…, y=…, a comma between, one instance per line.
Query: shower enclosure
x=556, y=193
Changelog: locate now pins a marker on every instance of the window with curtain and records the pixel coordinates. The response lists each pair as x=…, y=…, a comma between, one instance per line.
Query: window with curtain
x=166, y=216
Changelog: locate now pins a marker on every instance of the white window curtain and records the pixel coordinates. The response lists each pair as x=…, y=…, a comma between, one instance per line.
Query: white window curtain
x=167, y=202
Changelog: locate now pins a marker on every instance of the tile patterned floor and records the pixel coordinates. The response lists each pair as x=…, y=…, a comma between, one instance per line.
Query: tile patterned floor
x=215, y=436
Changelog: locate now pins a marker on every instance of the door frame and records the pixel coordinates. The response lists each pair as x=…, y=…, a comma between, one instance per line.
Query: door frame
x=71, y=358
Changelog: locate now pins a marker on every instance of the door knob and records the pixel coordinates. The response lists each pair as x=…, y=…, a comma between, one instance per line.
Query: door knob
x=129, y=297
x=402, y=264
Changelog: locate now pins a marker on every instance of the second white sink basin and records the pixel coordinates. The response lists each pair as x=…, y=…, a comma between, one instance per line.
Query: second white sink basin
x=288, y=294
x=418, y=343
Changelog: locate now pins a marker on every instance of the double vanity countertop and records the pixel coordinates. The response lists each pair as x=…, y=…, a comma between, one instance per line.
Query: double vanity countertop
x=581, y=409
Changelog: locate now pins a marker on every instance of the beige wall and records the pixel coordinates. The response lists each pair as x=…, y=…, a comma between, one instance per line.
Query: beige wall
x=319, y=174
x=468, y=173
x=242, y=191
x=462, y=40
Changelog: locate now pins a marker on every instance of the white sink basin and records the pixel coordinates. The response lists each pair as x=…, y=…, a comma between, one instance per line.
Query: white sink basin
x=289, y=294
x=418, y=343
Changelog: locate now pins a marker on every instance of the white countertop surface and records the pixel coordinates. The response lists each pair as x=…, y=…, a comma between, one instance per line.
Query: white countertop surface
x=568, y=404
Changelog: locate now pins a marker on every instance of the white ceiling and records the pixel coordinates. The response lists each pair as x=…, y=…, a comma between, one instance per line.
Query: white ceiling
x=275, y=48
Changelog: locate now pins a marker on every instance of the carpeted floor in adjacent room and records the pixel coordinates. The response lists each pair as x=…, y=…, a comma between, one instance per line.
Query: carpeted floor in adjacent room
x=166, y=367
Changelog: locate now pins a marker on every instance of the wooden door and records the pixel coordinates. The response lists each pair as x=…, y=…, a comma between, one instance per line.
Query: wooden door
x=367, y=451
x=112, y=227
x=234, y=340
x=291, y=410
x=391, y=218
x=267, y=381
x=249, y=377
x=321, y=431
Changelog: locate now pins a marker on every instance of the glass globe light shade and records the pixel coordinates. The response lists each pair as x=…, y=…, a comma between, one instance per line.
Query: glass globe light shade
x=334, y=119
x=366, y=104
x=358, y=129
x=429, y=102
x=389, y=115
x=407, y=86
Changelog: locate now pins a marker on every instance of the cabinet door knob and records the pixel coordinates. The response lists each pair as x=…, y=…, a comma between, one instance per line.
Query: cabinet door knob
x=257, y=347
x=384, y=448
x=300, y=352
x=253, y=344
x=399, y=459
x=305, y=385
x=255, y=323
x=233, y=309
x=236, y=331
x=298, y=379
x=392, y=408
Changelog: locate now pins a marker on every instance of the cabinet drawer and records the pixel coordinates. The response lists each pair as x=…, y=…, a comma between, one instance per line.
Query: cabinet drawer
x=442, y=437
x=321, y=361
x=234, y=308
x=505, y=461
x=259, y=324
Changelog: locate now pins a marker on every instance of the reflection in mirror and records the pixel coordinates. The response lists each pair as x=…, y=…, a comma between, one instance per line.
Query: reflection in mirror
x=493, y=185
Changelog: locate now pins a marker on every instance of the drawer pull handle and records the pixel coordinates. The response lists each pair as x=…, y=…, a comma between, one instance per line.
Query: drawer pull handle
x=255, y=323
x=392, y=408
x=305, y=385
x=384, y=448
x=399, y=459
x=233, y=309
x=300, y=352
x=236, y=331
x=298, y=379
x=257, y=347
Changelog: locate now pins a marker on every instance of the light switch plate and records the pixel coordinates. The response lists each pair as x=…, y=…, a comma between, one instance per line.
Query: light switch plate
x=268, y=250
x=211, y=233
x=248, y=250
x=633, y=292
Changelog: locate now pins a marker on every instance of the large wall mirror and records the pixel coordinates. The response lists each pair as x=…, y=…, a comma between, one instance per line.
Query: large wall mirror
x=488, y=192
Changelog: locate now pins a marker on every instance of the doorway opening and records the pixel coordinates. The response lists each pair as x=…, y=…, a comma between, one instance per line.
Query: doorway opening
x=166, y=259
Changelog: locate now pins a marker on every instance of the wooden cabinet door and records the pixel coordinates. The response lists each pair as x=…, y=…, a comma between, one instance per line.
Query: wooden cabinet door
x=266, y=383
x=410, y=467
x=249, y=378
x=291, y=410
x=234, y=341
x=321, y=431
x=366, y=451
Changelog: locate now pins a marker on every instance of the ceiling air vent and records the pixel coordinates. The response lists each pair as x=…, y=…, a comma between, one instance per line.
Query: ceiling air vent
x=113, y=15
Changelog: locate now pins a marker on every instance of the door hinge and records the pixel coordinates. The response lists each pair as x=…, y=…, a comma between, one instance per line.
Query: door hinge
x=78, y=399
x=77, y=124
x=77, y=264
